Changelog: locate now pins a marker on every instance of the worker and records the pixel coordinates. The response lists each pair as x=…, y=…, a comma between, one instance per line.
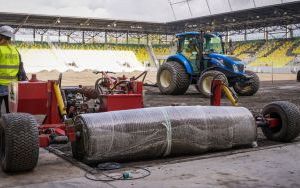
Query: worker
x=11, y=66
x=191, y=50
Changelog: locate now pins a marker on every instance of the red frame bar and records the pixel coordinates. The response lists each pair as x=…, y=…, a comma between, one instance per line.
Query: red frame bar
x=58, y=129
x=216, y=93
x=273, y=122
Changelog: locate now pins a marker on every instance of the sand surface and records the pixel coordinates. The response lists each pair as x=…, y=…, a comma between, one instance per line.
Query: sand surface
x=88, y=78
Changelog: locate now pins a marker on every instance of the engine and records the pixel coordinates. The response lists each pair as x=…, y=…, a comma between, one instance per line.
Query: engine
x=80, y=100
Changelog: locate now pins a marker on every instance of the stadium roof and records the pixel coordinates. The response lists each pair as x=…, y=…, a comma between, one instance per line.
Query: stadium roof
x=273, y=15
x=267, y=16
x=81, y=24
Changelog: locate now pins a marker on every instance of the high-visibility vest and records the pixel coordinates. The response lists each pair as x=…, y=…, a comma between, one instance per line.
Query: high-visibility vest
x=9, y=64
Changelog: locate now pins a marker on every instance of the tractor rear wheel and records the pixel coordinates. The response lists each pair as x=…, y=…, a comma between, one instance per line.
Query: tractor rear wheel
x=172, y=78
x=298, y=76
x=205, y=81
x=289, y=116
x=247, y=89
x=19, y=142
x=197, y=88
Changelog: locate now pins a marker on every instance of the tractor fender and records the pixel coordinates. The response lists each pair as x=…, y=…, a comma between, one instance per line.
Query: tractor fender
x=181, y=59
x=224, y=70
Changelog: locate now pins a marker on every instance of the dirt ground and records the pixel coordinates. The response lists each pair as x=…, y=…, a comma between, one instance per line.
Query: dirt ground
x=288, y=90
x=275, y=166
x=272, y=167
x=88, y=78
x=283, y=87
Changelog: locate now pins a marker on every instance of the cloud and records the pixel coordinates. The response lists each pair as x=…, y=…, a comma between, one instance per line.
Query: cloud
x=144, y=10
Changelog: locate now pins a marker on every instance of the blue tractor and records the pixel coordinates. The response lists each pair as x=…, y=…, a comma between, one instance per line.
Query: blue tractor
x=200, y=59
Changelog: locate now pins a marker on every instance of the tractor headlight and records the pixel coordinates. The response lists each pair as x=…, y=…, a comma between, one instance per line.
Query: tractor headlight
x=235, y=68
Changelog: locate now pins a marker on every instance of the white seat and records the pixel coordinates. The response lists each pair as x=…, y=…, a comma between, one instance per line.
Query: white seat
x=36, y=60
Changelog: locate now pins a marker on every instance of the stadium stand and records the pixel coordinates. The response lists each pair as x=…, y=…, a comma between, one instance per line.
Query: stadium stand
x=296, y=48
x=274, y=53
x=245, y=50
x=273, y=18
x=78, y=57
x=129, y=57
x=162, y=50
x=139, y=50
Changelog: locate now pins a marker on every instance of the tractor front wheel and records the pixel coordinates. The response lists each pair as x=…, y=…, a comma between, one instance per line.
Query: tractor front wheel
x=172, y=78
x=205, y=81
x=250, y=88
x=288, y=116
x=19, y=142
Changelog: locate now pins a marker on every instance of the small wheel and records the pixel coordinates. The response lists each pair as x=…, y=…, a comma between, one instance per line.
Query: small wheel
x=205, y=81
x=100, y=86
x=19, y=142
x=289, y=116
x=247, y=89
x=172, y=78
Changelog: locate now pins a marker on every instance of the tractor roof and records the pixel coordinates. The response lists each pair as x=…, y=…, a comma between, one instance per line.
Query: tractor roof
x=210, y=35
x=206, y=35
x=187, y=33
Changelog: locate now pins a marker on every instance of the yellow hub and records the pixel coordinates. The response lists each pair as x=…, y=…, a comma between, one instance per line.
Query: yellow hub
x=207, y=84
x=165, y=78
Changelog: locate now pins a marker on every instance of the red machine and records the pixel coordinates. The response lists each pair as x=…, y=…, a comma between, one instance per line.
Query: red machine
x=119, y=93
x=269, y=121
x=39, y=98
x=218, y=88
x=21, y=135
x=54, y=109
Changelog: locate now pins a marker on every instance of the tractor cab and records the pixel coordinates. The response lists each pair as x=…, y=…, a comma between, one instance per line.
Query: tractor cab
x=196, y=47
x=190, y=46
x=213, y=43
x=194, y=42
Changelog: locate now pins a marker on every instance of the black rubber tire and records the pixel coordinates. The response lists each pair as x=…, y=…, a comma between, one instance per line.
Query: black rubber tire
x=197, y=88
x=289, y=114
x=180, y=79
x=298, y=76
x=19, y=142
x=214, y=74
x=249, y=89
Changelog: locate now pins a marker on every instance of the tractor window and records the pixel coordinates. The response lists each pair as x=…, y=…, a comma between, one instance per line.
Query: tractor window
x=213, y=44
x=190, y=49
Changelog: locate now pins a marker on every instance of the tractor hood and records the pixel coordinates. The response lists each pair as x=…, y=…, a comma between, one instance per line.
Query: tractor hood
x=228, y=59
x=230, y=62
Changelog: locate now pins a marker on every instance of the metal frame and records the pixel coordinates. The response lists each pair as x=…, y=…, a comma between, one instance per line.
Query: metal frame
x=240, y=22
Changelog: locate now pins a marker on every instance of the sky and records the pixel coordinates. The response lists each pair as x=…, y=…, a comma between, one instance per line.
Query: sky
x=140, y=10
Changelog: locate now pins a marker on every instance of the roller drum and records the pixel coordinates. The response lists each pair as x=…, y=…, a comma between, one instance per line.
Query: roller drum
x=161, y=131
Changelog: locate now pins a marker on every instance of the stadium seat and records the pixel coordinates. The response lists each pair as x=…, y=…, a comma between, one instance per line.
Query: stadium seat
x=274, y=54
x=78, y=57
